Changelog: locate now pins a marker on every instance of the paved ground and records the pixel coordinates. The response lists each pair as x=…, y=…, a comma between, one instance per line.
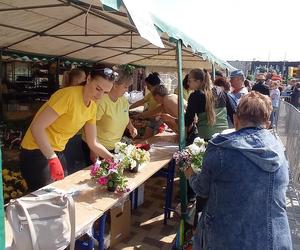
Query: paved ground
x=293, y=211
x=147, y=229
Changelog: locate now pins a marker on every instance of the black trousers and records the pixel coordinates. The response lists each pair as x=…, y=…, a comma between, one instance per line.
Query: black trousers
x=86, y=154
x=35, y=169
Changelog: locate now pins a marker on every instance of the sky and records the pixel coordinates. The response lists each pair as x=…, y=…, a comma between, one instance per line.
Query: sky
x=264, y=30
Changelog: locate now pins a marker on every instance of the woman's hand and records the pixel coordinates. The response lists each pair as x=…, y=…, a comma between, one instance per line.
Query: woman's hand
x=188, y=172
x=133, y=131
x=166, y=117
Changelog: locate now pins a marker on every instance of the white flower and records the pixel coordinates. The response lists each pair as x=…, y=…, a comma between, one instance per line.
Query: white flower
x=129, y=149
x=98, y=163
x=199, y=141
x=195, y=168
x=132, y=163
x=120, y=146
x=194, y=149
x=118, y=157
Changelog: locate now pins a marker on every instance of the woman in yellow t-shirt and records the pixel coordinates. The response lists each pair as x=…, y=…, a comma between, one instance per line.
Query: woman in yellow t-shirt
x=151, y=81
x=112, y=116
x=186, y=88
x=68, y=110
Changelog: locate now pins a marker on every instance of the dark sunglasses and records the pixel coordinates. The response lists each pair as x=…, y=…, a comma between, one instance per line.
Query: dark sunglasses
x=107, y=73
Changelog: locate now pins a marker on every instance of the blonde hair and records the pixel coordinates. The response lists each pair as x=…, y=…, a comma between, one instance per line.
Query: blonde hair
x=70, y=78
x=206, y=87
x=123, y=77
x=254, y=108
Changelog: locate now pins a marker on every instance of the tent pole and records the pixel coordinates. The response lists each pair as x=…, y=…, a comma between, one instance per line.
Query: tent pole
x=183, y=182
x=213, y=69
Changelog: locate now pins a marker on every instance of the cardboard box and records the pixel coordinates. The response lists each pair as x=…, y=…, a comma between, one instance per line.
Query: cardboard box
x=141, y=193
x=120, y=223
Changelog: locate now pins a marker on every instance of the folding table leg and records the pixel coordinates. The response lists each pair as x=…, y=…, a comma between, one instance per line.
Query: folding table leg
x=136, y=196
x=90, y=243
x=169, y=191
x=102, y=221
x=171, y=179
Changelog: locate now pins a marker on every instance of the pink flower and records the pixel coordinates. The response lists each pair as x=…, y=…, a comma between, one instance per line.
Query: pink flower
x=102, y=181
x=94, y=170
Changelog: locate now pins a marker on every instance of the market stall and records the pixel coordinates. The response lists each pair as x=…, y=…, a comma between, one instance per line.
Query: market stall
x=78, y=30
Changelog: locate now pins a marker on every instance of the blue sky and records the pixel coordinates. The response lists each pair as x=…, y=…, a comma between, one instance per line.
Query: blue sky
x=237, y=29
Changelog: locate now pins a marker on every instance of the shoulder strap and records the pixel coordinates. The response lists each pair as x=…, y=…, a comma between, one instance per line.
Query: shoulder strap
x=71, y=207
x=42, y=197
x=30, y=225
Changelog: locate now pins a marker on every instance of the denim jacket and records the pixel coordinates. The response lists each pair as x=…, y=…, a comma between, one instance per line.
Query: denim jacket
x=245, y=177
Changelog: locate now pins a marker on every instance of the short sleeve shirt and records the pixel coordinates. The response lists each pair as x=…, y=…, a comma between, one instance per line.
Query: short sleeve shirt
x=72, y=115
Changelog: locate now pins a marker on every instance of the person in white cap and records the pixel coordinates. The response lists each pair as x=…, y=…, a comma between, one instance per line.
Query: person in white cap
x=237, y=79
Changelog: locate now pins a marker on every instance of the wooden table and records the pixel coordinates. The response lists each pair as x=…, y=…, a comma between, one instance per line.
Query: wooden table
x=92, y=202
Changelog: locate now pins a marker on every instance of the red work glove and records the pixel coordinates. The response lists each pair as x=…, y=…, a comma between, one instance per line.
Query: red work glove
x=56, y=169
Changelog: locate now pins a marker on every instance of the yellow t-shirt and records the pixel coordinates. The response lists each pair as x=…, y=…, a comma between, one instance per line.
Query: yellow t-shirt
x=112, y=120
x=186, y=93
x=152, y=104
x=73, y=114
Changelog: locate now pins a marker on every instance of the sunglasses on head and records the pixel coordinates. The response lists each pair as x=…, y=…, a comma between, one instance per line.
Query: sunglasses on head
x=107, y=73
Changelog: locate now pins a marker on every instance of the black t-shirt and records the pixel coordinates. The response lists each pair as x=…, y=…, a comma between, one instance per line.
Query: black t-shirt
x=196, y=103
x=262, y=88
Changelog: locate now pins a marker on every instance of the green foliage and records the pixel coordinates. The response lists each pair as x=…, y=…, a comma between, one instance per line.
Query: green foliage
x=127, y=69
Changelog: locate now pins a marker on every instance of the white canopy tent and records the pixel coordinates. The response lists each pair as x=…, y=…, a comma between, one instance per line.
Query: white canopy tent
x=78, y=30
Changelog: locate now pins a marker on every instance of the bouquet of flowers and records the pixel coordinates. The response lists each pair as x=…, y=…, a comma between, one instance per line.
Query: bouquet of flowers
x=192, y=155
x=129, y=156
x=109, y=174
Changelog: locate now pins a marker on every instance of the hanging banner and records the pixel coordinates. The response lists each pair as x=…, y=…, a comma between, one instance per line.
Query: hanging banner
x=143, y=22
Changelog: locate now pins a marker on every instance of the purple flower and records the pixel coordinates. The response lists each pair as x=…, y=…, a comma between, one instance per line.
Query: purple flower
x=112, y=170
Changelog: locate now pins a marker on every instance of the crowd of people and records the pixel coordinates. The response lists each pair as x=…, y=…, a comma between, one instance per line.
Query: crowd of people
x=244, y=177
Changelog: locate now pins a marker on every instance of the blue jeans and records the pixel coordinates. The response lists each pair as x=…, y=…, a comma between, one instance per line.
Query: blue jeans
x=274, y=116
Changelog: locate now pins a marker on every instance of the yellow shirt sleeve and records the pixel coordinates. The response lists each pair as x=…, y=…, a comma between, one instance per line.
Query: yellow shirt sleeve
x=59, y=102
x=72, y=116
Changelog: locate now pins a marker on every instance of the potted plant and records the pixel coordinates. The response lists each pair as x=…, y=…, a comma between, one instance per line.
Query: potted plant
x=109, y=174
x=192, y=155
x=130, y=157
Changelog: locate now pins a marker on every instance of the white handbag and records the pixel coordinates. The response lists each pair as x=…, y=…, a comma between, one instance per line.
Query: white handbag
x=46, y=222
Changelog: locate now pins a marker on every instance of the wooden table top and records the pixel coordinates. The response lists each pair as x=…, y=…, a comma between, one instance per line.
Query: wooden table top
x=91, y=201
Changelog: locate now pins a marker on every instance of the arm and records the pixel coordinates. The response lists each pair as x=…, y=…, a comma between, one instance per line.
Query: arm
x=200, y=182
x=38, y=130
x=132, y=129
x=149, y=114
x=137, y=104
x=91, y=139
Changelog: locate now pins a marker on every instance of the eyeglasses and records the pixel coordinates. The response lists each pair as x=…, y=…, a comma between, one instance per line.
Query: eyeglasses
x=108, y=73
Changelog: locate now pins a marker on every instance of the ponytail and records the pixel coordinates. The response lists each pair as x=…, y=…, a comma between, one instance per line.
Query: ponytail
x=209, y=99
x=206, y=87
